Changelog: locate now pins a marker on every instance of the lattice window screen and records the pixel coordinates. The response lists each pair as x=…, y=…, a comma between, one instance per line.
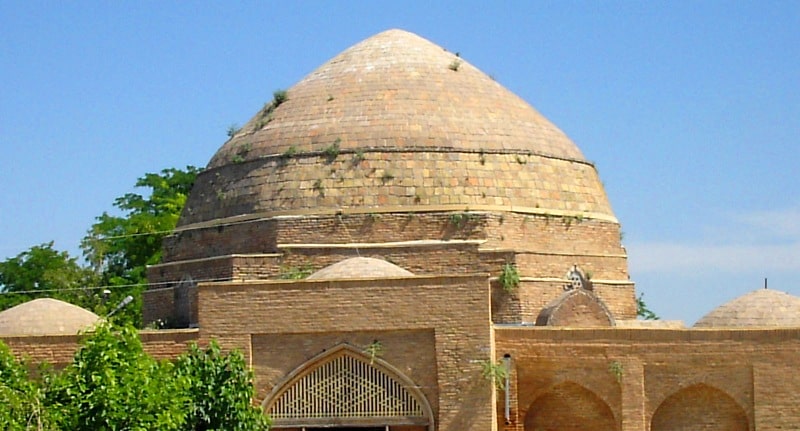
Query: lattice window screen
x=346, y=387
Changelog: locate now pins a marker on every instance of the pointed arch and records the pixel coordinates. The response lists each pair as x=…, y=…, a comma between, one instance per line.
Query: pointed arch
x=699, y=407
x=344, y=386
x=569, y=406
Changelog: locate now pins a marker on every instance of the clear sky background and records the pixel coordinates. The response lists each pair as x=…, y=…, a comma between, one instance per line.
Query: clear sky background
x=690, y=110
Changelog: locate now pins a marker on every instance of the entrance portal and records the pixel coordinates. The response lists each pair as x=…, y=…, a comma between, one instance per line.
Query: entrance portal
x=343, y=389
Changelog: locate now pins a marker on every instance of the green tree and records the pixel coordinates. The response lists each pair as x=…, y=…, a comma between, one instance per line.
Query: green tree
x=119, y=247
x=21, y=406
x=642, y=311
x=220, y=391
x=113, y=384
x=45, y=271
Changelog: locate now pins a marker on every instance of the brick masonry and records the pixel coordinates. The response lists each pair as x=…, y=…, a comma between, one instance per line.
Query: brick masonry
x=439, y=339
x=649, y=379
x=542, y=246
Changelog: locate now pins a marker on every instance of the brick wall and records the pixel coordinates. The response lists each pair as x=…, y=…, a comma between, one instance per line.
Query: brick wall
x=58, y=350
x=665, y=379
x=392, y=178
x=543, y=246
x=435, y=328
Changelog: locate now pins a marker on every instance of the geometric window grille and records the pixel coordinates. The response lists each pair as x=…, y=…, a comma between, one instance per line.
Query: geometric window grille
x=346, y=388
x=576, y=280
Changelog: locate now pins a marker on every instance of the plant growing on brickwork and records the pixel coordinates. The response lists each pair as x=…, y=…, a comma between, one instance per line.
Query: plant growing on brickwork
x=509, y=277
x=495, y=372
x=454, y=65
x=358, y=156
x=374, y=350
x=616, y=369
x=290, y=152
x=568, y=220
x=241, y=153
x=519, y=159
x=387, y=176
x=482, y=157
x=278, y=97
x=294, y=272
x=460, y=219
x=233, y=129
x=318, y=187
x=262, y=122
x=331, y=152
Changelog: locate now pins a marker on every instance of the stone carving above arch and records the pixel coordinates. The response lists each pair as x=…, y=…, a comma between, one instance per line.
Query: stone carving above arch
x=344, y=386
x=699, y=407
x=576, y=308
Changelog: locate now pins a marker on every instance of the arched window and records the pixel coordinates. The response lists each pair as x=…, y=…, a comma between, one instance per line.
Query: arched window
x=345, y=387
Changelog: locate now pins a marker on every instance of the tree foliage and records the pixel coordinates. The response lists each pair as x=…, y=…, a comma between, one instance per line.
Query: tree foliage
x=113, y=384
x=120, y=247
x=642, y=311
x=21, y=405
x=220, y=391
x=45, y=271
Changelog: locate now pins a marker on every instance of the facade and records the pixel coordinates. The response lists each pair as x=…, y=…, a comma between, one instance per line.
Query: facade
x=464, y=269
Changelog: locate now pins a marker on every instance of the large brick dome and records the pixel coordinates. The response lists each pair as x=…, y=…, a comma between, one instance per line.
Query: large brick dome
x=398, y=150
x=399, y=123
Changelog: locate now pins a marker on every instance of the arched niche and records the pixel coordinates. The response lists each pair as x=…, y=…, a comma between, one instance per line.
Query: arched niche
x=344, y=387
x=569, y=406
x=576, y=308
x=699, y=408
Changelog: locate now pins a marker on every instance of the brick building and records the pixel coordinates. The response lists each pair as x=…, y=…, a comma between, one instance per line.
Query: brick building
x=466, y=269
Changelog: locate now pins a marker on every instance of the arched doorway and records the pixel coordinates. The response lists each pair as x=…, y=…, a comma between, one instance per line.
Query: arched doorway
x=699, y=408
x=569, y=407
x=344, y=389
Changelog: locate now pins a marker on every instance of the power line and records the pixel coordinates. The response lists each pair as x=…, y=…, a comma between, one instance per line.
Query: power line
x=117, y=286
x=131, y=235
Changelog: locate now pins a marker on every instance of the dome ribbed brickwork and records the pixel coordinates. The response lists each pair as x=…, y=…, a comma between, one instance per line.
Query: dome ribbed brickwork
x=396, y=121
x=759, y=308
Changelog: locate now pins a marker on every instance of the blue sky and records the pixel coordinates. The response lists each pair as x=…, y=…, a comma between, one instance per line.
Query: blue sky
x=690, y=110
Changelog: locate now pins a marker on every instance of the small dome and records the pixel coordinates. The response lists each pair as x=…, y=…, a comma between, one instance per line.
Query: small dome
x=360, y=267
x=45, y=316
x=759, y=308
